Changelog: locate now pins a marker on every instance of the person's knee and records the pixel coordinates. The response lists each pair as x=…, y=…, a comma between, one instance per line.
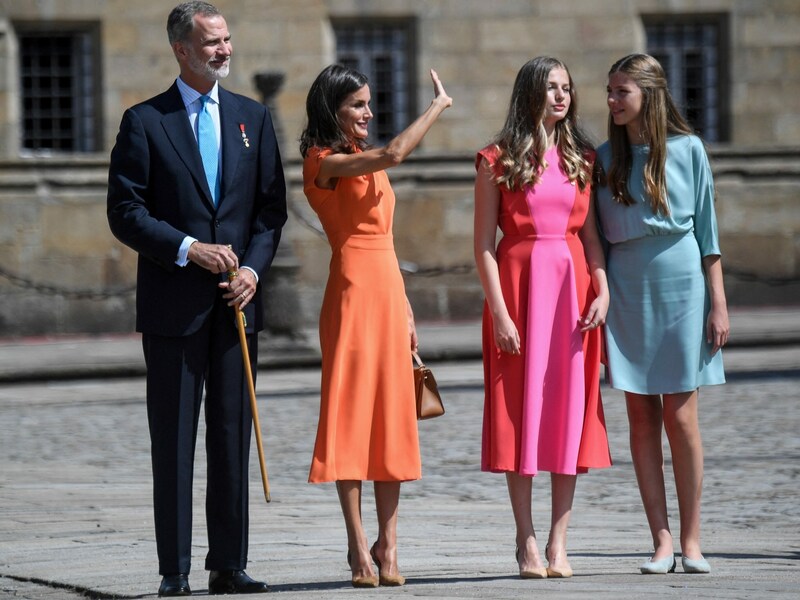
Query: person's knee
x=645, y=422
x=681, y=423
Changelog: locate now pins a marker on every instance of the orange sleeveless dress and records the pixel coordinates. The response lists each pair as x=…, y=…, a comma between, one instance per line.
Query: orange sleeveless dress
x=367, y=426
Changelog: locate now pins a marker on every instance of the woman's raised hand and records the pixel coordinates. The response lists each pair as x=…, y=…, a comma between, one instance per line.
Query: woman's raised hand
x=439, y=91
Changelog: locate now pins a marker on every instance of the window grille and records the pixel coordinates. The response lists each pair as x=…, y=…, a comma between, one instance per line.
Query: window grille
x=383, y=52
x=692, y=54
x=58, y=85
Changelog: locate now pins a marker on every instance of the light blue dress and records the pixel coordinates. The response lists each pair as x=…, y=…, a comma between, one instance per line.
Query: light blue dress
x=656, y=324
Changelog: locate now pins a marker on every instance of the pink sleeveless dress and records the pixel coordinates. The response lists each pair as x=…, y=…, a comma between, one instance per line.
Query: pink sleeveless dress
x=543, y=410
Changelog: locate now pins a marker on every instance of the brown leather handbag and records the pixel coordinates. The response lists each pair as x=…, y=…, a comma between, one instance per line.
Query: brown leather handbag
x=429, y=402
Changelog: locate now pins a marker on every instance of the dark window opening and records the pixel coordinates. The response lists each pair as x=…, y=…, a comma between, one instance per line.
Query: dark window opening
x=59, y=87
x=383, y=51
x=692, y=50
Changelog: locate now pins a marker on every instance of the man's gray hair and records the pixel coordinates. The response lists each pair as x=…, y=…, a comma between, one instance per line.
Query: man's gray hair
x=181, y=20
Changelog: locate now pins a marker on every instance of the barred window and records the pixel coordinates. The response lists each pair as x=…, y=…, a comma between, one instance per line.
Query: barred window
x=691, y=48
x=383, y=51
x=59, y=90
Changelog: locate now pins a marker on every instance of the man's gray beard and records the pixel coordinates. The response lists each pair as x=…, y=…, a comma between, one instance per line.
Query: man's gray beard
x=204, y=69
x=217, y=74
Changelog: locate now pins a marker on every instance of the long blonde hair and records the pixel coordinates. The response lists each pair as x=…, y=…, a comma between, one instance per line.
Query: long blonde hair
x=523, y=140
x=660, y=118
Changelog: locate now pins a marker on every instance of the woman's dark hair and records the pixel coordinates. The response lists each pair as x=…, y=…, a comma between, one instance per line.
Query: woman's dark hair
x=331, y=87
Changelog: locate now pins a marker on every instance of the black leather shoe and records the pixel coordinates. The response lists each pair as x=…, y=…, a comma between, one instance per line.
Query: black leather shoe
x=234, y=582
x=174, y=585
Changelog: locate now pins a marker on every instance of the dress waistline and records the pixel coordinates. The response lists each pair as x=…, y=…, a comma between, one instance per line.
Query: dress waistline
x=367, y=241
x=537, y=236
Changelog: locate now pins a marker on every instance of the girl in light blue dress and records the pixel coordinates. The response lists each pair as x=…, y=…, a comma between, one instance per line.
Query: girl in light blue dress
x=668, y=315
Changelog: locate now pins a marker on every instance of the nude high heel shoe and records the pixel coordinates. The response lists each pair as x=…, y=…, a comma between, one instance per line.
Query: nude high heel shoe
x=387, y=580
x=368, y=581
x=553, y=572
x=535, y=573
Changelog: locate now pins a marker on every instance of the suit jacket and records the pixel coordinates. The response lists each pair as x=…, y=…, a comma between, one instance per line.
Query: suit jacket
x=158, y=194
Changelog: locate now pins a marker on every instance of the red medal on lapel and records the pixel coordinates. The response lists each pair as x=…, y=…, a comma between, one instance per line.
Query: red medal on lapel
x=244, y=136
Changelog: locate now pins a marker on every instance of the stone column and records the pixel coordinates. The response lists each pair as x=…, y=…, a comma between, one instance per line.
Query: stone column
x=281, y=300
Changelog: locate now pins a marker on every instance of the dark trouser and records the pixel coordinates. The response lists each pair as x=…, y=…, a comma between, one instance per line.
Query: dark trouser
x=177, y=369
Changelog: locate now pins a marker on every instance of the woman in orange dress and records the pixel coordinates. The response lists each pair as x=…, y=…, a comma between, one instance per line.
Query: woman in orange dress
x=367, y=424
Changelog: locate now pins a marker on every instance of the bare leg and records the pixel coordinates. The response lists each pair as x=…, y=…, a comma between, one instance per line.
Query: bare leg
x=519, y=491
x=350, y=499
x=683, y=432
x=387, y=500
x=645, y=419
x=563, y=491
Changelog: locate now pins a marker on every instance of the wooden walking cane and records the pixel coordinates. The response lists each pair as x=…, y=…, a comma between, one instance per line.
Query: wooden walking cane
x=240, y=325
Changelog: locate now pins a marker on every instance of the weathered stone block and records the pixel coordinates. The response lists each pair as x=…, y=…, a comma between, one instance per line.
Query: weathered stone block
x=771, y=28
x=74, y=230
x=120, y=37
x=763, y=255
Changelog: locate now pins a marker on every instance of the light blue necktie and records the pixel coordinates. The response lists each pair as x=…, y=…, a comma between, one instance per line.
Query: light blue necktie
x=209, y=149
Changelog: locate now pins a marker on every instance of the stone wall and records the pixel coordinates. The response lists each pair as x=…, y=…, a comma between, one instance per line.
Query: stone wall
x=476, y=46
x=758, y=206
x=63, y=272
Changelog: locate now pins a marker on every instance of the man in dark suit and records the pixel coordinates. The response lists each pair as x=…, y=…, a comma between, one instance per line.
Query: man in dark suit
x=196, y=188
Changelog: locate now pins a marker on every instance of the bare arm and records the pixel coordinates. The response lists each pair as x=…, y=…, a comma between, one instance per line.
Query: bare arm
x=394, y=153
x=596, y=314
x=412, y=327
x=718, y=327
x=487, y=209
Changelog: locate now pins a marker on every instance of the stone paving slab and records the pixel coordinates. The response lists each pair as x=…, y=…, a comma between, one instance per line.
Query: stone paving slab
x=76, y=514
x=35, y=359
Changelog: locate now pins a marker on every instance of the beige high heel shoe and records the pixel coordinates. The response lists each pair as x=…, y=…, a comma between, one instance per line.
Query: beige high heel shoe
x=387, y=580
x=367, y=581
x=553, y=572
x=535, y=573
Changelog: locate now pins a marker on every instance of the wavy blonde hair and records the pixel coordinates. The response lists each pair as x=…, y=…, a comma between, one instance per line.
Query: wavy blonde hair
x=523, y=140
x=659, y=118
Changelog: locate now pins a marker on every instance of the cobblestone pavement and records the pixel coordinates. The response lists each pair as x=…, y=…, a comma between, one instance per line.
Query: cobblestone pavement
x=76, y=516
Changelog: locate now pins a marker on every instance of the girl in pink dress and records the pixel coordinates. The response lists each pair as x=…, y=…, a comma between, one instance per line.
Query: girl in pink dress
x=544, y=306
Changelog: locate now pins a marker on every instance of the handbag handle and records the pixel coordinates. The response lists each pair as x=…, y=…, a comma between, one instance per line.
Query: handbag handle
x=417, y=359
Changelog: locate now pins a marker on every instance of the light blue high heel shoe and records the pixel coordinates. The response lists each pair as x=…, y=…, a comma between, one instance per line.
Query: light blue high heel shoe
x=659, y=567
x=695, y=565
